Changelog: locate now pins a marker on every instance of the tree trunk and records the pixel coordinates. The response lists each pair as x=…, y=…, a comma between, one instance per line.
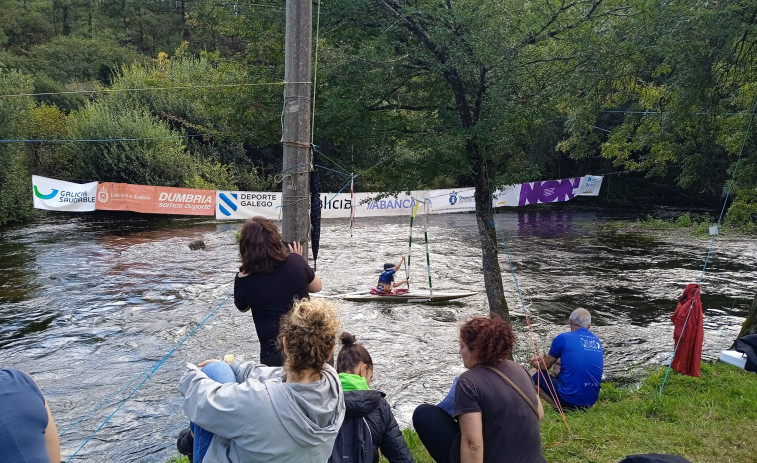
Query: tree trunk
x=750, y=324
x=185, y=28
x=495, y=292
x=66, y=24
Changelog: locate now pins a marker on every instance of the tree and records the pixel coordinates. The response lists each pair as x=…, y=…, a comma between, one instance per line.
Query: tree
x=675, y=102
x=199, y=96
x=15, y=180
x=150, y=154
x=460, y=89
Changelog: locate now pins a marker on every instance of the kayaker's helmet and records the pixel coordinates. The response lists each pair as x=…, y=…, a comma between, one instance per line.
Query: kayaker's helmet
x=388, y=266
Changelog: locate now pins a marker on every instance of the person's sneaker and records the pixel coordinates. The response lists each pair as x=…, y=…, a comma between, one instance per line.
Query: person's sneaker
x=185, y=443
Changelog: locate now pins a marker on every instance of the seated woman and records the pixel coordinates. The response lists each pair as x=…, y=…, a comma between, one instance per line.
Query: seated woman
x=365, y=407
x=497, y=419
x=271, y=414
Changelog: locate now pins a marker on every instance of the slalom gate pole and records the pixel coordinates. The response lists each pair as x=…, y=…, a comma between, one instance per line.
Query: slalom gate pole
x=410, y=242
x=428, y=258
x=352, y=202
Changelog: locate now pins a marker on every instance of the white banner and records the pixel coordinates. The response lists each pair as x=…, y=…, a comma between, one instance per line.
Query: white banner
x=57, y=195
x=246, y=204
x=234, y=205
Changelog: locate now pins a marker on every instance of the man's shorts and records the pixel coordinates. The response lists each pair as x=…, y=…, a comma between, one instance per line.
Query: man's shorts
x=548, y=383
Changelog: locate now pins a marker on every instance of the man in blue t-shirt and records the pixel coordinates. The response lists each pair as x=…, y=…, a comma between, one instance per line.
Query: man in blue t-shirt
x=580, y=358
x=386, y=280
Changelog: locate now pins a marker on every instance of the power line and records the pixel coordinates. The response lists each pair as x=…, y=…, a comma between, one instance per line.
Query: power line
x=177, y=87
x=97, y=140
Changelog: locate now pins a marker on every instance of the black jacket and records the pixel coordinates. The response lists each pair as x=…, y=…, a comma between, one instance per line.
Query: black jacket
x=371, y=407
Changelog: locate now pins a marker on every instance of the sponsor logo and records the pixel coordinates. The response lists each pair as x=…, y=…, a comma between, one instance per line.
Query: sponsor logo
x=391, y=204
x=590, y=343
x=41, y=196
x=230, y=202
x=453, y=198
x=343, y=204
x=102, y=195
x=185, y=198
x=548, y=191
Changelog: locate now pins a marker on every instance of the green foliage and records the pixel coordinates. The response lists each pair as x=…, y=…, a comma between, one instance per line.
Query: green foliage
x=684, y=220
x=744, y=214
x=68, y=59
x=673, y=95
x=56, y=94
x=151, y=154
x=24, y=24
x=224, y=112
x=15, y=179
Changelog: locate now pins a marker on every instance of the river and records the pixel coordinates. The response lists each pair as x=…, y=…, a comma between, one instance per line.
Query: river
x=91, y=303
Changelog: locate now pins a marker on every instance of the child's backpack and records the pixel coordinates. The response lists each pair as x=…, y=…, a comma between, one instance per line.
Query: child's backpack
x=354, y=443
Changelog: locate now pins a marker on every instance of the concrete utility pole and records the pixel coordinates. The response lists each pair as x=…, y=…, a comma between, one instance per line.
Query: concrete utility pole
x=296, y=119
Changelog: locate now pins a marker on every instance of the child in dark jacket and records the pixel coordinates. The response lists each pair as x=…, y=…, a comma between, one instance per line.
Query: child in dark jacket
x=364, y=407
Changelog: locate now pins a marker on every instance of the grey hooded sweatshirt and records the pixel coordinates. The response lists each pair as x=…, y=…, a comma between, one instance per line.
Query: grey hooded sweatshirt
x=262, y=419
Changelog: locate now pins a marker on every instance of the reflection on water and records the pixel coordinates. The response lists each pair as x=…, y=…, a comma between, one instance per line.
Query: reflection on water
x=88, y=303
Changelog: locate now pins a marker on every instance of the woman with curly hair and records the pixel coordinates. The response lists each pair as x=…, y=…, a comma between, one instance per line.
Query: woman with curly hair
x=495, y=404
x=244, y=411
x=270, y=278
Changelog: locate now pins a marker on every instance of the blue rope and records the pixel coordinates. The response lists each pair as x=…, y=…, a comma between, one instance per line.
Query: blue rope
x=154, y=369
x=683, y=329
x=712, y=241
x=103, y=403
x=332, y=170
x=315, y=148
x=512, y=269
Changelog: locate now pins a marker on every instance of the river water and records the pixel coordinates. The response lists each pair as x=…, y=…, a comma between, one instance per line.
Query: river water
x=90, y=304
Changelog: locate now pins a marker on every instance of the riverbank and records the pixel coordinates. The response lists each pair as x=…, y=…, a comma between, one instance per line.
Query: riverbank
x=686, y=224
x=709, y=419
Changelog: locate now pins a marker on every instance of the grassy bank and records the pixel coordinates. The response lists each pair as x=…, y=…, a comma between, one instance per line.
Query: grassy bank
x=710, y=419
x=686, y=224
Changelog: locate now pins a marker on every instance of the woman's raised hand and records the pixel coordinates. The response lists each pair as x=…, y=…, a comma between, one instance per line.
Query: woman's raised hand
x=295, y=247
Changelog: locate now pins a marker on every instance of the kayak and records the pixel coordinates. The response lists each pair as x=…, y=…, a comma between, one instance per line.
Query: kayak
x=438, y=296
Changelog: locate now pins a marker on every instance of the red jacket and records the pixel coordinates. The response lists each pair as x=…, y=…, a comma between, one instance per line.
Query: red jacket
x=688, y=338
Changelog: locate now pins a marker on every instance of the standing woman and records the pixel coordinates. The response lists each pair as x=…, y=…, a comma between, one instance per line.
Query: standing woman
x=496, y=421
x=270, y=279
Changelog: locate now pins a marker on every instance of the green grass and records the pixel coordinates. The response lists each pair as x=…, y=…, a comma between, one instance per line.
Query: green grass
x=706, y=419
x=710, y=419
x=685, y=224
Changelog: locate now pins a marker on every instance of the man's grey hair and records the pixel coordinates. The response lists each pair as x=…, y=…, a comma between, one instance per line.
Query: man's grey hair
x=581, y=317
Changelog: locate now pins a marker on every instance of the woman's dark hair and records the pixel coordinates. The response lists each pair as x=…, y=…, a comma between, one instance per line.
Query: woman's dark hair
x=351, y=354
x=310, y=329
x=490, y=340
x=260, y=247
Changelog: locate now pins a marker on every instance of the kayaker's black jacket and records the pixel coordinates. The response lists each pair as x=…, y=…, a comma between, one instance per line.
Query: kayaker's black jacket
x=369, y=407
